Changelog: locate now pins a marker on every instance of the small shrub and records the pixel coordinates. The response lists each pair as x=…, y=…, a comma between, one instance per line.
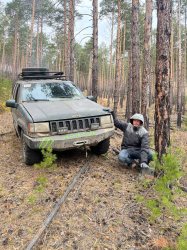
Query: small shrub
x=39, y=189
x=170, y=172
x=32, y=199
x=97, y=199
x=182, y=240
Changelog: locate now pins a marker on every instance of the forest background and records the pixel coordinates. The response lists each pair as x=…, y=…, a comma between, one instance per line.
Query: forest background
x=121, y=71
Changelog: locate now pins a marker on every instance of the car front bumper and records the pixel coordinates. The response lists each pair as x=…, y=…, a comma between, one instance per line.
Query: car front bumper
x=69, y=141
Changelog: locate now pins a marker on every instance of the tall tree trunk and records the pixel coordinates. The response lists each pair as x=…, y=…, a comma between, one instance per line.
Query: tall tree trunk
x=22, y=59
x=171, y=76
x=129, y=87
x=72, y=13
x=89, y=87
x=17, y=60
x=65, y=38
x=122, y=93
x=146, y=63
x=110, y=71
x=37, y=42
x=162, y=103
x=14, y=51
x=117, y=71
x=135, y=37
x=184, y=74
x=60, y=58
x=57, y=53
x=179, y=89
x=32, y=25
x=95, y=50
x=68, y=43
x=3, y=56
x=41, y=41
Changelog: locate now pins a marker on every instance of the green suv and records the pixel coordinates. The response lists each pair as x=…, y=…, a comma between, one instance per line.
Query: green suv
x=50, y=112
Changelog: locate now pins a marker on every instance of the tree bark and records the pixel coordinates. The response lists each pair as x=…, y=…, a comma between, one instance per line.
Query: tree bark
x=171, y=76
x=179, y=96
x=129, y=87
x=37, y=42
x=184, y=74
x=135, y=37
x=72, y=13
x=65, y=38
x=3, y=56
x=146, y=63
x=14, y=51
x=68, y=43
x=122, y=91
x=162, y=102
x=41, y=41
x=117, y=71
x=95, y=50
x=32, y=25
x=110, y=70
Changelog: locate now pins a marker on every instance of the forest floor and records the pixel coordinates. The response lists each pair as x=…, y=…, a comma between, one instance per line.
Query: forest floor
x=104, y=214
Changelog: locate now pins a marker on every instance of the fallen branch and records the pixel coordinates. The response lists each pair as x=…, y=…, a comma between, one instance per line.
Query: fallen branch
x=57, y=206
x=7, y=133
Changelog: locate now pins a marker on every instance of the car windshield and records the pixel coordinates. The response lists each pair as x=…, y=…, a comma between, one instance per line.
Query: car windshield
x=51, y=91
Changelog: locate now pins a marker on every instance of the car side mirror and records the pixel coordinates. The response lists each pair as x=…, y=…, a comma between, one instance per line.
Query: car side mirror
x=90, y=97
x=11, y=104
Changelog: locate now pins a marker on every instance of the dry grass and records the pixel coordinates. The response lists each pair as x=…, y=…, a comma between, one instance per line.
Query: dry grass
x=104, y=215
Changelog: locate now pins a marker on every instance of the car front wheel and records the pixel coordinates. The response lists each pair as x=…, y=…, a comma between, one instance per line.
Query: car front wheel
x=101, y=148
x=30, y=156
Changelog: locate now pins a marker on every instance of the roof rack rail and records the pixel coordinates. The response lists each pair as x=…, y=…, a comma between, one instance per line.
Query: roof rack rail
x=40, y=73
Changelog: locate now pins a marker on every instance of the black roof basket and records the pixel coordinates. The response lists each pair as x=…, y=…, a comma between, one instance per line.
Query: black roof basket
x=40, y=73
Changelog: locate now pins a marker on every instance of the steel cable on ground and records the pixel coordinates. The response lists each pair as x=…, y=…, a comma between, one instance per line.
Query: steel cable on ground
x=57, y=206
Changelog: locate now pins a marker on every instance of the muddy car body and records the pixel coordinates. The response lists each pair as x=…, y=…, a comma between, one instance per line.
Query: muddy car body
x=50, y=112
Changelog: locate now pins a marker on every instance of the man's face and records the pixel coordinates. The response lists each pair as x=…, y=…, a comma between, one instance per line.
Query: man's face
x=136, y=122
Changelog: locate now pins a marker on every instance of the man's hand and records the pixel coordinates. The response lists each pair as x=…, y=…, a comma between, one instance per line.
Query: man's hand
x=144, y=165
x=111, y=111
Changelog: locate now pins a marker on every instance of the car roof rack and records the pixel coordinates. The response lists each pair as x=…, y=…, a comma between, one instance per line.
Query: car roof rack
x=40, y=73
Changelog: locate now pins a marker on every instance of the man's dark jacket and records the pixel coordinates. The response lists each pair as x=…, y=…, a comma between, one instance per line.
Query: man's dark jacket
x=134, y=138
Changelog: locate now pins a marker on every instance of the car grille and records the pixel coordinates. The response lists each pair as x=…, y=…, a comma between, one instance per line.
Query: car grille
x=74, y=125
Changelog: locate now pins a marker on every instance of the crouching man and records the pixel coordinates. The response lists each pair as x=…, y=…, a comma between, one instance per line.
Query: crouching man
x=135, y=143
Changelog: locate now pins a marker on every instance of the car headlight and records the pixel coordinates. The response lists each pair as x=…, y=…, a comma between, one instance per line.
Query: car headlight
x=106, y=119
x=41, y=127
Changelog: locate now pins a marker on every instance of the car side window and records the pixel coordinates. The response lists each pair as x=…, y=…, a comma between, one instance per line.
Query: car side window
x=17, y=94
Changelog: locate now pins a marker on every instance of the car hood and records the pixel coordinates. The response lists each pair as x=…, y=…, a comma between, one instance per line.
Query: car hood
x=58, y=110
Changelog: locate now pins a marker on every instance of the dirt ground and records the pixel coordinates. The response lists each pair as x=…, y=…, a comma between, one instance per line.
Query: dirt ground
x=103, y=215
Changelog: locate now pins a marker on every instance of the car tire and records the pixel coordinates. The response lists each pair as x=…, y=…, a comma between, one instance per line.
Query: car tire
x=101, y=148
x=30, y=156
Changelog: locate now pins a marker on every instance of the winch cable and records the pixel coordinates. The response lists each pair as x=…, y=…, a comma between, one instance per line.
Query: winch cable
x=57, y=206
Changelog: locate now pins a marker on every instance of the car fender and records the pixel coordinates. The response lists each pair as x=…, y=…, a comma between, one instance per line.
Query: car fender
x=22, y=125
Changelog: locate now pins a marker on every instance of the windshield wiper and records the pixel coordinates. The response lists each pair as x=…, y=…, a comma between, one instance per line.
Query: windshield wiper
x=67, y=96
x=36, y=100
